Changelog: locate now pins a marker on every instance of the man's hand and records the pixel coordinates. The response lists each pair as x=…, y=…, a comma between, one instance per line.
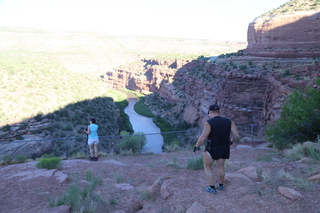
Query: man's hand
x=237, y=139
x=196, y=149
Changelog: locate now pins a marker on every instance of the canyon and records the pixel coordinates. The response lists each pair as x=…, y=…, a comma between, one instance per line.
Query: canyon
x=250, y=86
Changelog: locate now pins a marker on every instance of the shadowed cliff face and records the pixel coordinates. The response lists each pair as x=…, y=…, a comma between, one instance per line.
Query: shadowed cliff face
x=185, y=89
x=294, y=35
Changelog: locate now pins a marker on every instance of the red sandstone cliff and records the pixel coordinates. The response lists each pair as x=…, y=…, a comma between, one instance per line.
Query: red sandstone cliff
x=294, y=35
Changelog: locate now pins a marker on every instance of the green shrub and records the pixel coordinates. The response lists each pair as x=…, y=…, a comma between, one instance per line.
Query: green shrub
x=243, y=67
x=6, y=159
x=132, y=143
x=78, y=154
x=19, y=137
x=47, y=155
x=313, y=153
x=6, y=128
x=20, y=158
x=195, y=163
x=38, y=117
x=174, y=163
x=299, y=120
x=49, y=163
x=296, y=153
x=81, y=199
x=142, y=109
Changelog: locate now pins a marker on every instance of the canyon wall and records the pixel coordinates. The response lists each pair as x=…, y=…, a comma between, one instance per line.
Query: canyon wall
x=294, y=35
x=191, y=86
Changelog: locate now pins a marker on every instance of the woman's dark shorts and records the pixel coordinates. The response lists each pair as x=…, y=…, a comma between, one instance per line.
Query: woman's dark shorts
x=219, y=151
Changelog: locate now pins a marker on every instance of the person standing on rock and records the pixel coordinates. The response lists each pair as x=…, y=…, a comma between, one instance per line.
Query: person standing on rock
x=93, y=139
x=216, y=131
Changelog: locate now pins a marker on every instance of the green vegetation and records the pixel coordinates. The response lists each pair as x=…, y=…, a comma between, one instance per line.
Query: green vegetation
x=20, y=158
x=195, y=163
x=299, y=121
x=49, y=163
x=6, y=159
x=132, y=143
x=142, y=109
x=294, y=6
x=298, y=151
x=173, y=163
x=81, y=199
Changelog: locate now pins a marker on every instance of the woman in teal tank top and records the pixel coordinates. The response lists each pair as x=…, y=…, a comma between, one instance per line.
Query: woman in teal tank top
x=93, y=139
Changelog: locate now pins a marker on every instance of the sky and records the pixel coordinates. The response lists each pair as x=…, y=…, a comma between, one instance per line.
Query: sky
x=224, y=20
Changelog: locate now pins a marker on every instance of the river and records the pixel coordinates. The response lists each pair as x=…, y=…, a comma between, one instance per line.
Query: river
x=154, y=139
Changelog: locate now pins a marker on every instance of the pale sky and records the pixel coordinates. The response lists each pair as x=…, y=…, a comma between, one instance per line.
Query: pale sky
x=225, y=20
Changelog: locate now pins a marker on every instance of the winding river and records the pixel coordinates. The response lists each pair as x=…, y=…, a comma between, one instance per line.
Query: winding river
x=154, y=139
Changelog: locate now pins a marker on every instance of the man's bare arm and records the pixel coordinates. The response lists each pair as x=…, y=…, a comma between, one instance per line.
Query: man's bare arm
x=235, y=134
x=204, y=135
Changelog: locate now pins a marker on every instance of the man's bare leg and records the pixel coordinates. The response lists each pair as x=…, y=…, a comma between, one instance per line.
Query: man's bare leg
x=207, y=164
x=221, y=171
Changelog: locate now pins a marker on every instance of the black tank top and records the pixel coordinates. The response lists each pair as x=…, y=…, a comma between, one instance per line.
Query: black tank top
x=220, y=130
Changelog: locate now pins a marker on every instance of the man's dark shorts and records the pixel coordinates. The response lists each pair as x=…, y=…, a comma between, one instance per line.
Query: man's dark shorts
x=219, y=151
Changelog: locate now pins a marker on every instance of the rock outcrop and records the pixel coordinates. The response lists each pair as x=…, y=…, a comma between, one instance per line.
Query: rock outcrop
x=294, y=35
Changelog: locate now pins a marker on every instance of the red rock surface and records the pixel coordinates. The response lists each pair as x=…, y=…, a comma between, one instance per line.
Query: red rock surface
x=127, y=179
x=294, y=35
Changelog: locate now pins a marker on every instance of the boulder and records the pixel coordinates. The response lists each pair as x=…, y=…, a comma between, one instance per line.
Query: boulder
x=197, y=208
x=315, y=178
x=290, y=193
x=250, y=172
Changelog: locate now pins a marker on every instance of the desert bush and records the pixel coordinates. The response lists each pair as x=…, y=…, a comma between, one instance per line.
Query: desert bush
x=145, y=194
x=81, y=199
x=299, y=121
x=175, y=145
x=313, y=153
x=6, y=159
x=243, y=67
x=134, y=142
x=38, y=117
x=6, y=128
x=296, y=152
x=20, y=158
x=78, y=155
x=173, y=163
x=47, y=156
x=195, y=163
x=49, y=163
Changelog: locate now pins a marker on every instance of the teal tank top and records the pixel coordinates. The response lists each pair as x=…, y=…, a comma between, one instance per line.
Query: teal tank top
x=93, y=131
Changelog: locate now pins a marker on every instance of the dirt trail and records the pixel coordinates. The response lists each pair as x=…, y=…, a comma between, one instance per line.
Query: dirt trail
x=125, y=180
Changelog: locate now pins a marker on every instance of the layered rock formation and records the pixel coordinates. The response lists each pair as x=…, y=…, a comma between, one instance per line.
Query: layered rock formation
x=192, y=86
x=250, y=96
x=294, y=35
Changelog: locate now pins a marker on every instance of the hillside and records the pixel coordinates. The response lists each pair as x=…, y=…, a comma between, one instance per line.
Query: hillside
x=43, y=71
x=294, y=6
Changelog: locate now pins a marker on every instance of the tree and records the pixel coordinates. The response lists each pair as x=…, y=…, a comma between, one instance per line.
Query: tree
x=299, y=120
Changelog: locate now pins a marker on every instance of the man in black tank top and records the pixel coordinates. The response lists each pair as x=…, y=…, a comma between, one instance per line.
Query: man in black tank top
x=217, y=132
